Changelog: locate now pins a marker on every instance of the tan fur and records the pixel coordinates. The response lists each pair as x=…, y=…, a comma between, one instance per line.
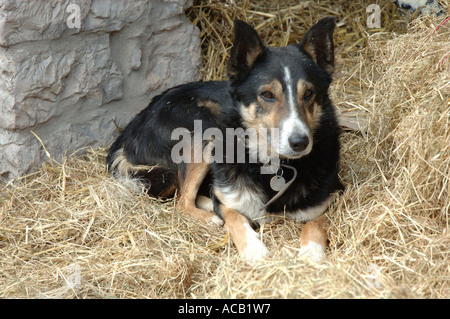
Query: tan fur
x=311, y=51
x=213, y=107
x=195, y=174
x=235, y=224
x=272, y=113
x=253, y=55
x=315, y=231
x=247, y=241
x=249, y=116
x=276, y=111
x=310, y=111
x=313, y=116
x=204, y=203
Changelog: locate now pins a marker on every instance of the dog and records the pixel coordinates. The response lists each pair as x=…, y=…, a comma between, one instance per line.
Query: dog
x=286, y=166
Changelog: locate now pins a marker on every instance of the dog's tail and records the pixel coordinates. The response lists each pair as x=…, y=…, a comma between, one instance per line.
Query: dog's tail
x=157, y=181
x=113, y=153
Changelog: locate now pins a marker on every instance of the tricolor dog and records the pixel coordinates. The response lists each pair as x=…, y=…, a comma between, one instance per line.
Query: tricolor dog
x=267, y=142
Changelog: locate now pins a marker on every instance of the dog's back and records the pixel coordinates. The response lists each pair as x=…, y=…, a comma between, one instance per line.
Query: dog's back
x=143, y=149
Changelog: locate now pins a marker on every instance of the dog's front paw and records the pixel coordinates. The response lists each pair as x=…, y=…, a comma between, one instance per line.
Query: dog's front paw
x=314, y=252
x=216, y=220
x=255, y=250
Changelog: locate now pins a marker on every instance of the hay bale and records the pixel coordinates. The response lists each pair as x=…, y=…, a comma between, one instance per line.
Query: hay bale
x=71, y=231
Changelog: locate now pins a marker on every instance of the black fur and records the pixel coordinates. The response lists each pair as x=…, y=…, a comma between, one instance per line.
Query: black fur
x=146, y=140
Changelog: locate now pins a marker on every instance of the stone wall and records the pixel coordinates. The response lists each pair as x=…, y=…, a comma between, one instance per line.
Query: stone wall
x=69, y=67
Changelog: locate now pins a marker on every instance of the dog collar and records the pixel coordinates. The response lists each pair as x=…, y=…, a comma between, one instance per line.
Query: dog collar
x=278, y=184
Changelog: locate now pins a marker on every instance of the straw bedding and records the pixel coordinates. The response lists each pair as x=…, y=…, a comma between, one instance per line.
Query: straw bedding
x=71, y=231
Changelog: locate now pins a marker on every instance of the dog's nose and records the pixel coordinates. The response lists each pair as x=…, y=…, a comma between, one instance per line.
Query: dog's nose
x=298, y=142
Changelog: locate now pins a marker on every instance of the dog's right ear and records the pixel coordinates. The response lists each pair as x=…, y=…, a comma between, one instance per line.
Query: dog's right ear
x=246, y=49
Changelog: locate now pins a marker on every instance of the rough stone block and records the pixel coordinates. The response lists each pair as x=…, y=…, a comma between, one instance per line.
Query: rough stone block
x=68, y=83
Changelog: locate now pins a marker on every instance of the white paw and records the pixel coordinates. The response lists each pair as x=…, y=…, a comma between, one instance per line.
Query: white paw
x=216, y=220
x=255, y=249
x=254, y=253
x=314, y=252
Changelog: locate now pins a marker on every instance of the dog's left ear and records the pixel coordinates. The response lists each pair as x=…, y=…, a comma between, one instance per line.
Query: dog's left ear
x=318, y=44
x=246, y=49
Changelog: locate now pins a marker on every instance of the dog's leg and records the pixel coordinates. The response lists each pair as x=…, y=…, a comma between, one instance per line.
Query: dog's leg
x=204, y=203
x=189, y=184
x=247, y=241
x=313, y=239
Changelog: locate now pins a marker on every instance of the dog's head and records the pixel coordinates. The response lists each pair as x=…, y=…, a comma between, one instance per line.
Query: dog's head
x=283, y=88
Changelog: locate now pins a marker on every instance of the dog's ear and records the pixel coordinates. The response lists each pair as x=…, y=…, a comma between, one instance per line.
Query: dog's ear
x=246, y=49
x=318, y=44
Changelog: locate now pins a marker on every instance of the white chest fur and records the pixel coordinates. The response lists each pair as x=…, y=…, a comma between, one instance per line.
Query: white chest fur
x=244, y=199
x=249, y=202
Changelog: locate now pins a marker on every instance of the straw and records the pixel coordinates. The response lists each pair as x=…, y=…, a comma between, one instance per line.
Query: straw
x=69, y=230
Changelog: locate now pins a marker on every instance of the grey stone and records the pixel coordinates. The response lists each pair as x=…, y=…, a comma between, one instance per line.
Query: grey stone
x=68, y=84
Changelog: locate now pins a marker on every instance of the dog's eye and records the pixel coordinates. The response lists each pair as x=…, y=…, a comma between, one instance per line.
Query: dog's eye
x=308, y=94
x=267, y=95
